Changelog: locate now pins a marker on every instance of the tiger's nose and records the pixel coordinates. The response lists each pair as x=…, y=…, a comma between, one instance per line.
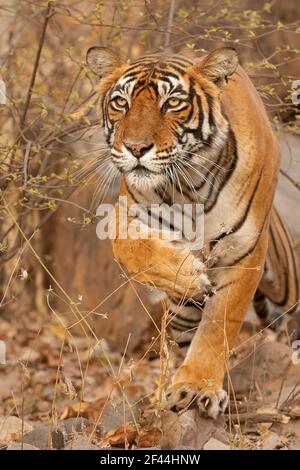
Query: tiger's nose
x=138, y=150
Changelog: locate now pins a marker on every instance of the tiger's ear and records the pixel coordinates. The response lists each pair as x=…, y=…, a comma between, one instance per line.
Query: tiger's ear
x=219, y=64
x=102, y=61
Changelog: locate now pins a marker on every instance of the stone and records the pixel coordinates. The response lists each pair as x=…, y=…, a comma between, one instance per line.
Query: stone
x=269, y=362
x=39, y=437
x=19, y=446
x=190, y=430
x=114, y=416
x=270, y=441
x=11, y=428
x=215, y=444
x=80, y=443
x=74, y=425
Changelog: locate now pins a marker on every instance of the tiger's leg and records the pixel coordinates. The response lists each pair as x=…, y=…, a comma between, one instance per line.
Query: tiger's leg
x=200, y=378
x=185, y=318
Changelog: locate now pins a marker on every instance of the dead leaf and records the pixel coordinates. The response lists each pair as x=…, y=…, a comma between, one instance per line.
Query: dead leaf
x=124, y=434
x=76, y=409
x=58, y=330
x=263, y=427
x=148, y=438
x=94, y=410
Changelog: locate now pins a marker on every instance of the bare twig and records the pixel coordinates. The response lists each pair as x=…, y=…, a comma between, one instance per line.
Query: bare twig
x=296, y=184
x=48, y=14
x=259, y=418
x=170, y=23
x=25, y=164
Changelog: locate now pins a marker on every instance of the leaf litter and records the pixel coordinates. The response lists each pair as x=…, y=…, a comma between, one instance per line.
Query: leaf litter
x=77, y=395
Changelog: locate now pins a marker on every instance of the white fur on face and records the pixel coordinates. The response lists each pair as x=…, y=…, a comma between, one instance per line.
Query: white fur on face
x=143, y=173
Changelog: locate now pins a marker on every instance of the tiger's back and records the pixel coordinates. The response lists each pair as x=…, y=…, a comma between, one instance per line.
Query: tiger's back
x=280, y=276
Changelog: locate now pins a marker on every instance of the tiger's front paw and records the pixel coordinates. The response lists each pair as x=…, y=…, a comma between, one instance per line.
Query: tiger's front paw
x=198, y=270
x=182, y=396
x=212, y=403
x=191, y=277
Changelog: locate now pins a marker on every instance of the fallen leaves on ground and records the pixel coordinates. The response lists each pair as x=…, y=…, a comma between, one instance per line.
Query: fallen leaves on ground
x=110, y=401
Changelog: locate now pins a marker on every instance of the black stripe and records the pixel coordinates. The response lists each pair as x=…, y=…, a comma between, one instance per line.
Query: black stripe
x=225, y=285
x=180, y=70
x=210, y=103
x=232, y=162
x=283, y=301
x=131, y=194
x=183, y=328
x=214, y=170
x=260, y=305
x=163, y=196
x=291, y=250
x=188, y=321
x=197, y=133
x=252, y=248
x=162, y=222
x=183, y=344
x=241, y=222
x=274, y=242
x=131, y=74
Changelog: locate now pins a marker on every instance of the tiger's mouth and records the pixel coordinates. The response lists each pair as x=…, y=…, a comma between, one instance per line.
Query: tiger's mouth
x=141, y=170
x=148, y=171
x=143, y=178
x=142, y=166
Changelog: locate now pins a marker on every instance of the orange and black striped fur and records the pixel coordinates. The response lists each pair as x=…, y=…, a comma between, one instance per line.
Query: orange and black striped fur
x=183, y=131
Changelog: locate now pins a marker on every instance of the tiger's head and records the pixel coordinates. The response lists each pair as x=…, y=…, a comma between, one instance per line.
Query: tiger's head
x=159, y=112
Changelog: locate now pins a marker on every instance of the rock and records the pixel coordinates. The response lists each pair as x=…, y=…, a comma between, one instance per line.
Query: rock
x=18, y=446
x=11, y=428
x=295, y=445
x=171, y=430
x=114, y=416
x=215, y=444
x=80, y=443
x=270, y=441
x=74, y=425
x=58, y=441
x=270, y=361
x=40, y=437
x=190, y=430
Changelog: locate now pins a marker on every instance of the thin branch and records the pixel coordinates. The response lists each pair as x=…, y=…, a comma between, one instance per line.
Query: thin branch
x=296, y=184
x=258, y=417
x=48, y=14
x=25, y=164
x=170, y=23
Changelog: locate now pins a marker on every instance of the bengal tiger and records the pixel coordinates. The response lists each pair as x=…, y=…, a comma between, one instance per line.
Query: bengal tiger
x=188, y=131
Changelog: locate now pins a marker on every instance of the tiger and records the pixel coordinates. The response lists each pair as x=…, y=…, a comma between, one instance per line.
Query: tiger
x=191, y=131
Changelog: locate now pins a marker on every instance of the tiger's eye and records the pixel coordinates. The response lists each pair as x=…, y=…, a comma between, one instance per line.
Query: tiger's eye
x=119, y=101
x=173, y=102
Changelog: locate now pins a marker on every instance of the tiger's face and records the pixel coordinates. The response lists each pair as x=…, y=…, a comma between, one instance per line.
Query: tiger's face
x=159, y=112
